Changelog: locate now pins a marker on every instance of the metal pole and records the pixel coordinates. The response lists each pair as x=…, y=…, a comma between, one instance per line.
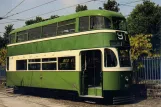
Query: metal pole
x=145, y=70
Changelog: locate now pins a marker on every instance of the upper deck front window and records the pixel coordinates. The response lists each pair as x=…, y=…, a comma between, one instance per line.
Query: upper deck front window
x=119, y=23
x=93, y=22
x=98, y=22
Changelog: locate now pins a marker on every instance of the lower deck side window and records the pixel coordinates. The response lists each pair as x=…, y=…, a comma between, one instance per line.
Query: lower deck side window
x=34, y=66
x=49, y=66
x=60, y=63
x=21, y=65
x=66, y=63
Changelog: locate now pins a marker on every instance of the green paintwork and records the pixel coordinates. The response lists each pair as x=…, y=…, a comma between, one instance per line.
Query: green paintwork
x=96, y=40
x=97, y=91
x=116, y=80
x=105, y=13
x=66, y=80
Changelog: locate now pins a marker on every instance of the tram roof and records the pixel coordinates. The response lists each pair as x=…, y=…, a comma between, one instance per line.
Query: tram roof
x=105, y=13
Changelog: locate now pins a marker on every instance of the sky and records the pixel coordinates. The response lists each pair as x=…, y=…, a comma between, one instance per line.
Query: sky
x=7, y=5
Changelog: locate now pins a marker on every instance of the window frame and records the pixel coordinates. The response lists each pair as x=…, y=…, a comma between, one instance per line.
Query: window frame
x=36, y=62
x=88, y=24
x=40, y=34
x=63, y=25
x=67, y=69
x=56, y=61
x=97, y=28
x=26, y=65
x=116, y=56
x=13, y=40
x=56, y=27
x=23, y=34
x=120, y=56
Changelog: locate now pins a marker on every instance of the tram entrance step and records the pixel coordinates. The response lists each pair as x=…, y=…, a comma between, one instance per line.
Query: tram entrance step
x=96, y=91
x=91, y=96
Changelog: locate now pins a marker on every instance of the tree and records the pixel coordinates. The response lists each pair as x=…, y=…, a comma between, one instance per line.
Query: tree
x=8, y=29
x=29, y=22
x=54, y=16
x=144, y=19
x=32, y=21
x=81, y=8
x=140, y=46
x=39, y=19
x=111, y=5
x=3, y=54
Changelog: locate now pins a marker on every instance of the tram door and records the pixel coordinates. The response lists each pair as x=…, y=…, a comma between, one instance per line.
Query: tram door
x=91, y=73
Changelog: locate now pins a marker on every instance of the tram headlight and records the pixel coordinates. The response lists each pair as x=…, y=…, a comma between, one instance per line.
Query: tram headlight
x=127, y=78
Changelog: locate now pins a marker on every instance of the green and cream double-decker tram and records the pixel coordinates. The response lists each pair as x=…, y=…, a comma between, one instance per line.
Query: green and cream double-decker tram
x=86, y=52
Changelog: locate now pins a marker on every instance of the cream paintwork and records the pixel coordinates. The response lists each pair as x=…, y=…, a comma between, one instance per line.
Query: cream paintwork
x=76, y=53
x=65, y=36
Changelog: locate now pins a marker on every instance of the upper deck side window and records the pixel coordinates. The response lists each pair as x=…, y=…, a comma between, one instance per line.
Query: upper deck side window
x=12, y=38
x=49, y=30
x=34, y=33
x=58, y=28
x=66, y=27
x=21, y=36
x=84, y=23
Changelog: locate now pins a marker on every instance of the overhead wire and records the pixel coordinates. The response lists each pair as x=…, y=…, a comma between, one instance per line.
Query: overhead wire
x=32, y=8
x=51, y=11
x=14, y=8
x=16, y=20
x=10, y=22
x=126, y=4
x=61, y=9
x=131, y=2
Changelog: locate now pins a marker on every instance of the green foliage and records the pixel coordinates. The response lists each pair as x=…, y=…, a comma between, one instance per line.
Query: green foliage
x=3, y=54
x=100, y=8
x=2, y=42
x=32, y=21
x=39, y=19
x=111, y=5
x=54, y=16
x=140, y=46
x=81, y=8
x=5, y=39
x=144, y=19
